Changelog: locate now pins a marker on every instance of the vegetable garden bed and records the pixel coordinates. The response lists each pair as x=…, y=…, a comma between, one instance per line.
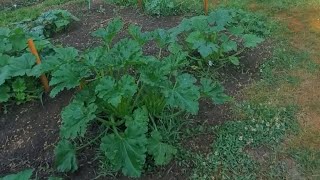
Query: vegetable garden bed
x=30, y=131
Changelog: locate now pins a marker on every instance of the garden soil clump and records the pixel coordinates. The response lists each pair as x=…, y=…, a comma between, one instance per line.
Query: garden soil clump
x=29, y=132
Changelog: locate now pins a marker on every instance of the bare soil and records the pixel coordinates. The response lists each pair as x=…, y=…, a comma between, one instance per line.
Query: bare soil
x=28, y=133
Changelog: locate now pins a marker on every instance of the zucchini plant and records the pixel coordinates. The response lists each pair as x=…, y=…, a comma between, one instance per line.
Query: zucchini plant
x=126, y=92
x=214, y=39
x=17, y=81
x=48, y=23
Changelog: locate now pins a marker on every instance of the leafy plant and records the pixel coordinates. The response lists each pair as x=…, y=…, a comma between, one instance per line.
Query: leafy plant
x=214, y=39
x=123, y=2
x=23, y=175
x=48, y=23
x=17, y=81
x=126, y=92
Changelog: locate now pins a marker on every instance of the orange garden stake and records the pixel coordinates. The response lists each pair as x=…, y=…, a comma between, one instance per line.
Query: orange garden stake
x=43, y=77
x=206, y=7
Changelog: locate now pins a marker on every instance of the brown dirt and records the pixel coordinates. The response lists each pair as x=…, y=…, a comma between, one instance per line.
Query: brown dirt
x=29, y=132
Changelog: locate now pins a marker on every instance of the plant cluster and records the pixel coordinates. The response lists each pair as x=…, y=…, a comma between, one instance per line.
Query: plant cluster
x=129, y=93
x=48, y=23
x=214, y=40
x=17, y=81
x=162, y=7
x=17, y=73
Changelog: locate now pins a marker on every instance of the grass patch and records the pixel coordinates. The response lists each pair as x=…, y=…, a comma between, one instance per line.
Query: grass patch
x=308, y=160
x=260, y=125
x=31, y=12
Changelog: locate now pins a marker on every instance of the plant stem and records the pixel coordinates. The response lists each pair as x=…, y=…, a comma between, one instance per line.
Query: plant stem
x=93, y=140
x=138, y=96
x=153, y=122
x=160, y=52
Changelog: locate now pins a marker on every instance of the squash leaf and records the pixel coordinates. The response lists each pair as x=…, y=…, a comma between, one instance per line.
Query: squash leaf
x=162, y=152
x=75, y=118
x=23, y=175
x=184, y=94
x=214, y=91
x=127, y=151
x=65, y=156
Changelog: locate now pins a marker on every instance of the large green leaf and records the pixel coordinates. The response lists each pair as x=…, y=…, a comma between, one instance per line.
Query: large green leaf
x=22, y=65
x=125, y=52
x=4, y=93
x=154, y=73
x=23, y=175
x=5, y=45
x=18, y=39
x=4, y=74
x=251, y=40
x=66, y=77
x=127, y=151
x=161, y=152
x=108, y=33
x=204, y=47
x=220, y=17
x=113, y=92
x=184, y=94
x=65, y=156
x=75, y=118
x=138, y=35
x=66, y=54
x=214, y=91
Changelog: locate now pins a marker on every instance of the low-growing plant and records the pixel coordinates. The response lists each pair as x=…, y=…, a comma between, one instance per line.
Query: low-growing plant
x=213, y=40
x=48, y=23
x=123, y=2
x=126, y=92
x=262, y=125
x=23, y=175
x=17, y=81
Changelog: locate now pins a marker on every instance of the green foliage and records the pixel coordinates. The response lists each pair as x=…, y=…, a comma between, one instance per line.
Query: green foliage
x=308, y=159
x=16, y=66
x=261, y=125
x=78, y=116
x=48, y=23
x=123, y=93
x=276, y=70
x=251, y=23
x=123, y=2
x=213, y=39
x=65, y=156
x=161, y=7
x=127, y=151
x=162, y=152
x=23, y=175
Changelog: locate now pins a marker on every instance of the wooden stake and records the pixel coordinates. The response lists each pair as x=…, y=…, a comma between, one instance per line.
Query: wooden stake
x=206, y=7
x=43, y=77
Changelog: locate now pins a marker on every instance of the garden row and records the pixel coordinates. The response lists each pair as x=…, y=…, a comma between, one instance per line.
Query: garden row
x=126, y=92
